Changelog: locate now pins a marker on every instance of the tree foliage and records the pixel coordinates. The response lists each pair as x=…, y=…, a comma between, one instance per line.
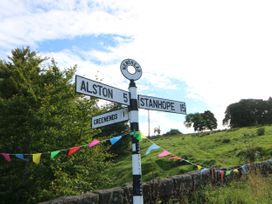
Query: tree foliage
x=173, y=132
x=201, y=121
x=40, y=112
x=248, y=112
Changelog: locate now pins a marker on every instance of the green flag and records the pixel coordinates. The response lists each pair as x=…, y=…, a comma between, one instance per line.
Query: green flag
x=137, y=135
x=54, y=154
x=228, y=172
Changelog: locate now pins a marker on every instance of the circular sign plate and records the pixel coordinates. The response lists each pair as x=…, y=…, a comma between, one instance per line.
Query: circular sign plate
x=124, y=69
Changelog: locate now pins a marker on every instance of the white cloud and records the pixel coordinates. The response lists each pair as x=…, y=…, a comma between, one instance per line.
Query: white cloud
x=32, y=22
x=220, y=49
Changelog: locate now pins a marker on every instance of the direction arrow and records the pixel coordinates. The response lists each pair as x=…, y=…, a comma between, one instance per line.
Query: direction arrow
x=100, y=90
x=159, y=104
x=110, y=118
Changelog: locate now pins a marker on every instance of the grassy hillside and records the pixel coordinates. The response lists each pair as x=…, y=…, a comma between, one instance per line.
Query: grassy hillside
x=221, y=149
x=250, y=190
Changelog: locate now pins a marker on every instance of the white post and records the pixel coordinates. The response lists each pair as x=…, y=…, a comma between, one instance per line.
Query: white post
x=136, y=157
x=134, y=126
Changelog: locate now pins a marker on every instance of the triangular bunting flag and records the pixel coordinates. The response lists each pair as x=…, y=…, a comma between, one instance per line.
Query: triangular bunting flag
x=36, y=158
x=54, y=154
x=115, y=139
x=222, y=176
x=228, y=172
x=164, y=153
x=175, y=158
x=235, y=170
x=73, y=150
x=245, y=169
x=199, y=167
x=142, y=135
x=137, y=135
x=6, y=156
x=20, y=156
x=152, y=147
x=203, y=171
x=93, y=143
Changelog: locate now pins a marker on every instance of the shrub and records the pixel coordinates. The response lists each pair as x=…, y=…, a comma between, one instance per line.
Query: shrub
x=251, y=154
x=261, y=131
x=225, y=140
x=173, y=132
x=222, y=140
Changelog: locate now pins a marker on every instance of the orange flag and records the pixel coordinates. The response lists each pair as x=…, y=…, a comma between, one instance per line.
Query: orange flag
x=222, y=176
x=175, y=158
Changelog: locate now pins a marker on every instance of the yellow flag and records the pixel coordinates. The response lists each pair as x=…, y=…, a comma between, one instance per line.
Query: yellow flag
x=235, y=170
x=199, y=167
x=142, y=135
x=36, y=158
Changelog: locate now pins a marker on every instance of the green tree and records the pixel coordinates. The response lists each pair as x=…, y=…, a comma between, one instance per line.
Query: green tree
x=248, y=112
x=201, y=121
x=40, y=112
x=210, y=120
x=173, y=132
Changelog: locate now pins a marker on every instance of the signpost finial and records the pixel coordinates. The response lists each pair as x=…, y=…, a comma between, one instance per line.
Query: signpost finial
x=131, y=63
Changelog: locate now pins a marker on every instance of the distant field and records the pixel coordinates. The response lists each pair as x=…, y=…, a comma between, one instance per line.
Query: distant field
x=221, y=149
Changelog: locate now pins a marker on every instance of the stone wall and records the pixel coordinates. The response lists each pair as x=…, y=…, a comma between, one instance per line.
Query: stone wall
x=176, y=188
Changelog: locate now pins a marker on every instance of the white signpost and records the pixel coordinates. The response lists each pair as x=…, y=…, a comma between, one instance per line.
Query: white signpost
x=159, y=104
x=110, y=118
x=100, y=90
x=133, y=101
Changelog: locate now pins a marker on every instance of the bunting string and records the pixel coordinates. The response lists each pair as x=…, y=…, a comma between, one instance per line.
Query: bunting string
x=203, y=170
x=36, y=157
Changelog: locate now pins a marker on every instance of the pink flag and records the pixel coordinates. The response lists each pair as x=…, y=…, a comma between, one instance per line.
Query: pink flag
x=93, y=143
x=73, y=150
x=6, y=156
x=164, y=153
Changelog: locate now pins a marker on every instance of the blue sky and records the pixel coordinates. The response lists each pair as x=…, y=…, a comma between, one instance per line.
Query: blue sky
x=208, y=54
x=85, y=43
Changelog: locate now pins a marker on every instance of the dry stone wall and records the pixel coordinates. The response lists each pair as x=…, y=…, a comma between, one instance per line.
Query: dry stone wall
x=176, y=188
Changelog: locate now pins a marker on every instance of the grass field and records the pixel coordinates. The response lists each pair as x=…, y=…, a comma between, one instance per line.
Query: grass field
x=218, y=149
x=251, y=189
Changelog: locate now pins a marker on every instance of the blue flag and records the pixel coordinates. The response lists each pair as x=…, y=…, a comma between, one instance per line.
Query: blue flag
x=20, y=156
x=152, y=147
x=245, y=169
x=115, y=139
x=203, y=171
